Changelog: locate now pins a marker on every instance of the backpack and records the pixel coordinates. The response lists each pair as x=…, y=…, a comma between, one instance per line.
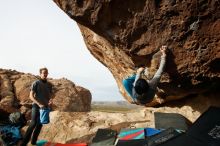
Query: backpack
x=9, y=135
x=17, y=119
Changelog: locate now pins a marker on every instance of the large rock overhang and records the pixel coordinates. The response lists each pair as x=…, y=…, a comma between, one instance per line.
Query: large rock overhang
x=124, y=35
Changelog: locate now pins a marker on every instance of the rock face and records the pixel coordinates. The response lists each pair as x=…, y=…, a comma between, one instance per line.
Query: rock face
x=15, y=88
x=124, y=35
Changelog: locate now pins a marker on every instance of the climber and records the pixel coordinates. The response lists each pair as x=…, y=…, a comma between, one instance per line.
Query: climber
x=40, y=94
x=143, y=91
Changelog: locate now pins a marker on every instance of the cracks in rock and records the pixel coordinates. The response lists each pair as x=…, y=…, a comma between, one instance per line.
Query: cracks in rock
x=171, y=13
x=53, y=138
x=136, y=35
x=136, y=49
x=79, y=3
x=119, y=126
x=142, y=61
x=215, y=65
x=157, y=3
x=16, y=103
x=7, y=92
x=200, y=53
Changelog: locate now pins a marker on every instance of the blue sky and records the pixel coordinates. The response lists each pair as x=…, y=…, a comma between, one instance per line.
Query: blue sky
x=37, y=33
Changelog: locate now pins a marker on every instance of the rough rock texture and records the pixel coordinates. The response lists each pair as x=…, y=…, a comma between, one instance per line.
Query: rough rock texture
x=69, y=97
x=124, y=35
x=8, y=102
x=66, y=127
x=15, y=89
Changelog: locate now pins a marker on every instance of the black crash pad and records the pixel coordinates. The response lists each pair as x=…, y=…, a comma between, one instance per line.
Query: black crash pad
x=204, y=132
x=104, y=137
x=167, y=120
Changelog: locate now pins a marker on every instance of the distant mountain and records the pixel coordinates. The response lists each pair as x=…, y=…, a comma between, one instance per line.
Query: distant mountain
x=115, y=104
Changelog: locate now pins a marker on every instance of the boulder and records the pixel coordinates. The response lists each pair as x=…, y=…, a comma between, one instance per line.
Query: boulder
x=15, y=89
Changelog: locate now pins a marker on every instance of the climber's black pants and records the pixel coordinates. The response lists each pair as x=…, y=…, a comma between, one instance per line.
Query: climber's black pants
x=34, y=127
